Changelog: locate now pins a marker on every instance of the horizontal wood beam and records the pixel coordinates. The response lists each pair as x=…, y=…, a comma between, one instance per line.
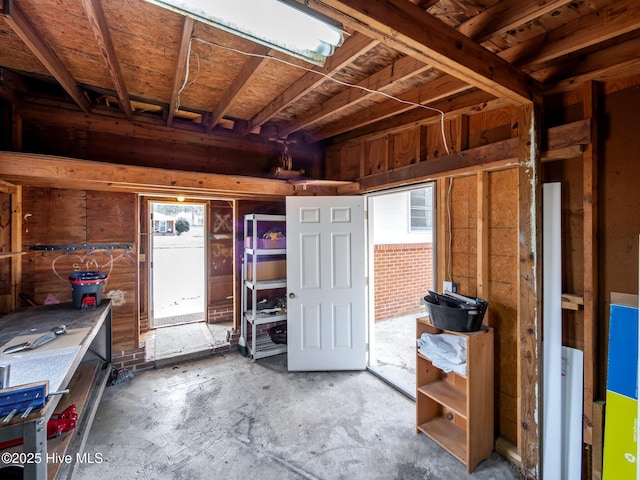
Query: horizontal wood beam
x=434, y=91
x=467, y=103
x=155, y=130
x=611, y=21
x=506, y=15
x=412, y=31
x=494, y=156
x=381, y=80
x=22, y=26
x=61, y=172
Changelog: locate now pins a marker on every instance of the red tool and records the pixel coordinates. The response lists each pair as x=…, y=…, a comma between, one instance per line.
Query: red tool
x=62, y=422
x=57, y=424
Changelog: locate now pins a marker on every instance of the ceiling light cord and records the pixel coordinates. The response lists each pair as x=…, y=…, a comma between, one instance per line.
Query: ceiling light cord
x=328, y=77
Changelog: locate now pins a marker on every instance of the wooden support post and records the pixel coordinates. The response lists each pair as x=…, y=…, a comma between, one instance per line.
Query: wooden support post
x=529, y=290
x=482, y=205
x=590, y=239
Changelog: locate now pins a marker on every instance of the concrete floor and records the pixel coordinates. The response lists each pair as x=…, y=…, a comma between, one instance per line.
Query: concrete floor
x=189, y=341
x=227, y=417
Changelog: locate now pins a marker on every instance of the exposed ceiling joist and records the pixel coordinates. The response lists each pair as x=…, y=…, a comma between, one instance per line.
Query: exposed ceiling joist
x=352, y=48
x=594, y=66
x=409, y=29
x=100, y=28
x=465, y=103
x=252, y=67
x=181, y=63
x=426, y=94
x=29, y=34
x=398, y=71
x=599, y=26
x=506, y=15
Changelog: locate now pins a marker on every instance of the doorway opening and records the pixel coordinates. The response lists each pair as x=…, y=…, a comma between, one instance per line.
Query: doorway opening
x=402, y=270
x=178, y=264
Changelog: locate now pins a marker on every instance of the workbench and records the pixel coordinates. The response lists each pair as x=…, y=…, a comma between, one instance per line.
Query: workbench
x=79, y=360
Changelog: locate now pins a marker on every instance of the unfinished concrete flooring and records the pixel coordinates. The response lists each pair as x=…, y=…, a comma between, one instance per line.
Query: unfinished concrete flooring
x=227, y=417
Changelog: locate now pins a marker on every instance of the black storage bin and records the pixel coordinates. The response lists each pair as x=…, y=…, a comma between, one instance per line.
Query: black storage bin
x=456, y=313
x=86, y=288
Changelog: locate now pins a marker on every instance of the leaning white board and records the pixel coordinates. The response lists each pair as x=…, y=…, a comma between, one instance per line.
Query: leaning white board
x=552, y=331
x=572, y=400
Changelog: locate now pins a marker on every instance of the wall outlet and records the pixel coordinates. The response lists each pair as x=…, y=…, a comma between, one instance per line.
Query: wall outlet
x=449, y=287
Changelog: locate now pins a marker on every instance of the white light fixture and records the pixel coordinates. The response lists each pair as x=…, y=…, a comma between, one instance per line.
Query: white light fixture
x=284, y=25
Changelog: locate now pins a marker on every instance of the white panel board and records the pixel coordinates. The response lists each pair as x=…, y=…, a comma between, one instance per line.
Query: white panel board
x=552, y=330
x=572, y=400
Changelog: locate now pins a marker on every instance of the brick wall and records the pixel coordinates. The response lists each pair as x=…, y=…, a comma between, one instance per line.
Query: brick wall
x=403, y=274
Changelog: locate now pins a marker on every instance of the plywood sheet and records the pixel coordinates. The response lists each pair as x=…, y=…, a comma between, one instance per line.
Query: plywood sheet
x=111, y=217
x=404, y=147
x=53, y=216
x=503, y=292
x=375, y=156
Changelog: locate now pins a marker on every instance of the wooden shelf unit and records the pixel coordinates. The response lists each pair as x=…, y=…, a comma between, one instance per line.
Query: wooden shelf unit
x=454, y=410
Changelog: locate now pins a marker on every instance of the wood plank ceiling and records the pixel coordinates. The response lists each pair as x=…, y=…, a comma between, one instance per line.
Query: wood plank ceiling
x=151, y=66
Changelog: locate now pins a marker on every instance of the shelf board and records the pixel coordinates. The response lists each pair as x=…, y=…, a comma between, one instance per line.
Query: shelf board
x=265, y=348
x=267, y=284
x=262, y=319
x=448, y=435
x=446, y=395
x=420, y=355
x=85, y=390
x=265, y=251
x=11, y=254
x=266, y=217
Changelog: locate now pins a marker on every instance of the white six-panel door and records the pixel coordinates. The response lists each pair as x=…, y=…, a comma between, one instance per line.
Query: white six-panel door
x=326, y=291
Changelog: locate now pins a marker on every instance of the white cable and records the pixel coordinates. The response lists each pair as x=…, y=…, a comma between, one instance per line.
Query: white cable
x=328, y=77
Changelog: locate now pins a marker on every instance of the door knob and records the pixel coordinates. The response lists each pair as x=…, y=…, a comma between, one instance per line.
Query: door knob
x=292, y=295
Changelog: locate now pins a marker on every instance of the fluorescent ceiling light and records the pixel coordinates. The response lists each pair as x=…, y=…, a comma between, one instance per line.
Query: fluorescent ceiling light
x=288, y=27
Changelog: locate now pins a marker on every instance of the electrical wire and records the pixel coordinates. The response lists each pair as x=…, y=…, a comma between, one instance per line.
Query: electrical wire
x=328, y=77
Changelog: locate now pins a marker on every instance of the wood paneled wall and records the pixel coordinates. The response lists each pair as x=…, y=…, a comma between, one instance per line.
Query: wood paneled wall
x=76, y=218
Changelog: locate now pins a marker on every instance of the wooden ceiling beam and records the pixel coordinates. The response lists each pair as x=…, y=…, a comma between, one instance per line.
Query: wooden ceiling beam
x=506, y=15
x=431, y=92
x=467, y=103
x=145, y=129
x=29, y=34
x=412, y=31
x=181, y=65
x=563, y=142
x=100, y=29
x=608, y=22
x=382, y=80
x=353, y=47
x=100, y=175
x=250, y=69
x=596, y=65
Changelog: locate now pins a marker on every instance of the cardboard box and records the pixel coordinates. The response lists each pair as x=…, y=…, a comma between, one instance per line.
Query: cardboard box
x=266, y=243
x=268, y=270
x=277, y=243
